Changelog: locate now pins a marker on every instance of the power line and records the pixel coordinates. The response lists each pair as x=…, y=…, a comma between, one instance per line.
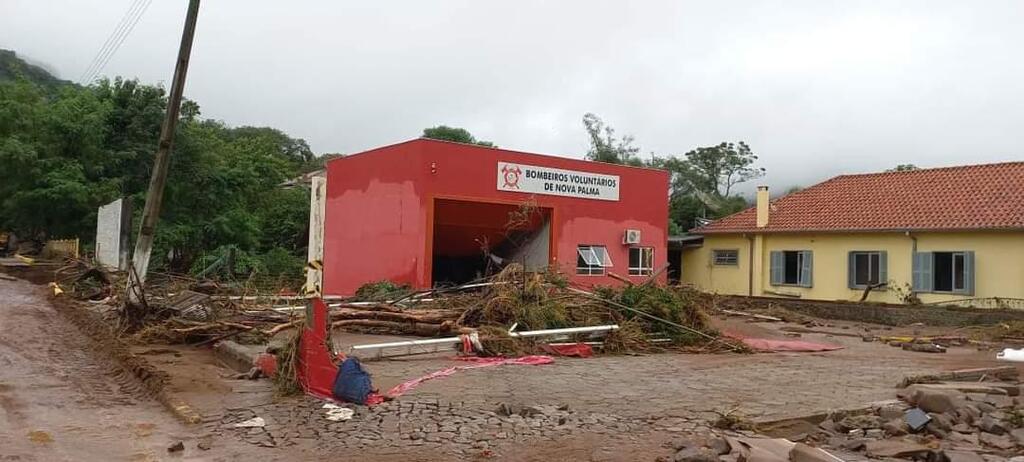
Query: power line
x=110, y=39
x=120, y=40
x=116, y=38
x=131, y=18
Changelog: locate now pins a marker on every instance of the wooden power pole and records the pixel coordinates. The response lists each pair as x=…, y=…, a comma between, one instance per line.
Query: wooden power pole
x=161, y=164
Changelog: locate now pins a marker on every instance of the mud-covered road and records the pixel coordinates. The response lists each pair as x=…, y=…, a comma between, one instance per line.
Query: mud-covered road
x=61, y=400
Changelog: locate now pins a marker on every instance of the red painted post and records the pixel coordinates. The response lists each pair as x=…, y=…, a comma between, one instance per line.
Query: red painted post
x=316, y=367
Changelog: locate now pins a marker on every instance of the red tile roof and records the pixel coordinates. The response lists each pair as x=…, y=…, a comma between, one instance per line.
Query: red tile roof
x=968, y=197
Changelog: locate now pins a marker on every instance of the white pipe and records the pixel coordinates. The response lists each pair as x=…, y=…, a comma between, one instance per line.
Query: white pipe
x=530, y=333
x=406, y=343
x=566, y=330
x=1009, y=354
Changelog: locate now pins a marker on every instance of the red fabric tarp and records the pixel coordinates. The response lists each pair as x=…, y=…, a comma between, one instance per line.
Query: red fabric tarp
x=580, y=350
x=476, y=363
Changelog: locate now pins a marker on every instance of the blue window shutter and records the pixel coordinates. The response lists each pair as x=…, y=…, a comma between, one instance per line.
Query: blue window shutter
x=969, y=273
x=851, y=270
x=807, y=270
x=922, y=272
x=776, y=267
x=883, y=267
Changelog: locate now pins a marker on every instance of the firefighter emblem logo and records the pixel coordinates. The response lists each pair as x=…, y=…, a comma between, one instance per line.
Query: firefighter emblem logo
x=511, y=176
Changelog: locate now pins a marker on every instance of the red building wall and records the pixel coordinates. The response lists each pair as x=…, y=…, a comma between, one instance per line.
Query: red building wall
x=379, y=212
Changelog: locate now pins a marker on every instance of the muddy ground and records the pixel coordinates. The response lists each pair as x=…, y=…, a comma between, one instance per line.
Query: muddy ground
x=62, y=398
x=61, y=401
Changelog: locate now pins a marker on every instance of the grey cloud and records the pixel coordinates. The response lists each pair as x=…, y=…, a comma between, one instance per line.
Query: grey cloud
x=816, y=88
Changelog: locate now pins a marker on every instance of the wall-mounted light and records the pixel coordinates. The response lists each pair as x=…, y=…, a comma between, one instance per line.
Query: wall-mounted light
x=433, y=167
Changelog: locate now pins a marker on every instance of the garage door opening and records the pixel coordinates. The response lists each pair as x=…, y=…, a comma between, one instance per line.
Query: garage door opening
x=472, y=239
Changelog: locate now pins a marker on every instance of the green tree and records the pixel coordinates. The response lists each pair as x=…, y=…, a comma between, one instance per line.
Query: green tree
x=702, y=181
x=65, y=151
x=716, y=169
x=903, y=168
x=454, y=134
x=606, y=147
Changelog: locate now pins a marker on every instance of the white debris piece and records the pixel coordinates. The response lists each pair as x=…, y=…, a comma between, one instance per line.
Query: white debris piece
x=337, y=413
x=1010, y=354
x=252, y=423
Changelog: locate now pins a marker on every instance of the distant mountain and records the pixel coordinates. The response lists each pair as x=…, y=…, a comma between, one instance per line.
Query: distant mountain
x=12, y=67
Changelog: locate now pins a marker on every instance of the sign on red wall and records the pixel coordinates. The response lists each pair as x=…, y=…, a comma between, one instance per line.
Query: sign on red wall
x=557, y=182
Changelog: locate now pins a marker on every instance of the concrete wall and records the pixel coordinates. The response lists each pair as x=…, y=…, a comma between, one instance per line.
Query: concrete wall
x=315, y=251
x=700, y=270
x=999, y=261
x=113, y=224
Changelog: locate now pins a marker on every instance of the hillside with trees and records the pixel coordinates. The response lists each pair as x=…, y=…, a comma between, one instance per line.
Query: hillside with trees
x=66, y=149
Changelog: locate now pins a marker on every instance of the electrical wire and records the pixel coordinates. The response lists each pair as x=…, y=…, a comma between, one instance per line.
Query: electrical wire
x=110, y=39
x=119, y=40
x=124, y=28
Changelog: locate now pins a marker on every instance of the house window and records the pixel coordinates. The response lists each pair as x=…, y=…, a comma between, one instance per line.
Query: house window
x=641, y=261
x=867, y=268
x=791, y=267
x=792, y=263
x=729, y=257
x=591, y=260
x=950, y=272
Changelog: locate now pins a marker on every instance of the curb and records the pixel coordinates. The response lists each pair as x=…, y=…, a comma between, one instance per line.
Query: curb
x=152, y=379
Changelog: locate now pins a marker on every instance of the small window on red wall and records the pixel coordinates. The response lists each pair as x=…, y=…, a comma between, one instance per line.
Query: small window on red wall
x=591, y=260
x=641, y=261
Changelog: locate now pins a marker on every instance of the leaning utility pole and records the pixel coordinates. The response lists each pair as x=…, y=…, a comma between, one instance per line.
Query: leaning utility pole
x=161, y=164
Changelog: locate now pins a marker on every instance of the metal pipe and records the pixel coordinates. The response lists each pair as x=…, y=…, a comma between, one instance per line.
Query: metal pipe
x=406, y=343
x=567, y=330
x=529, y=333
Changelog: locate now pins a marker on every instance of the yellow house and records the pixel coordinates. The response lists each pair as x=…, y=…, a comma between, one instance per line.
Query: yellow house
x=939, y=234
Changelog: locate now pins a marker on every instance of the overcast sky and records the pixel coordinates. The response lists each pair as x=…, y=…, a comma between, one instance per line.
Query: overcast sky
x=817, y=88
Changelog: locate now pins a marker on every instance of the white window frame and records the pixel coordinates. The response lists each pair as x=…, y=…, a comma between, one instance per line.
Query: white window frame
x=872, y=272
x=596, y=257
x=953, y=257
x=719, y=262
x=799, y=265
x=642, y=270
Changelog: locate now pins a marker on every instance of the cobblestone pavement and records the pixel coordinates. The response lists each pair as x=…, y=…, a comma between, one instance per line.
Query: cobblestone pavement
x=427, y=425
x=617, y=397
x=763, y=386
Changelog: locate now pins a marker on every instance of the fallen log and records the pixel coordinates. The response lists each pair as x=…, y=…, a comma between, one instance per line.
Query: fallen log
x=924, y=347
x=869, y=288
x=753, y=315
x=430, y=317
x=211, y=326
x=280, y=327
x=368, y=306
x=619, y=278
x=654, y=276
x=1000, y=373
x=407, y=328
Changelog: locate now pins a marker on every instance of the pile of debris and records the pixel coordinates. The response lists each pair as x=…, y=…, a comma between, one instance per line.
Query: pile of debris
x=968, y=415
x=644, y=316
x=497, y=309
x=745, y=446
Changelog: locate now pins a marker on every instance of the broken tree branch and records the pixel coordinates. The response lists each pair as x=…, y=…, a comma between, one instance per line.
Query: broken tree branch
x=869, y=287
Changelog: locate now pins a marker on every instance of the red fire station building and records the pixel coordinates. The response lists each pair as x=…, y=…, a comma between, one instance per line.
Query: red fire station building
x=428, y=213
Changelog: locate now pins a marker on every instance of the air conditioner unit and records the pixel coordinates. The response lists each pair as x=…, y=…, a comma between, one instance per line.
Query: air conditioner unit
x=632, y=236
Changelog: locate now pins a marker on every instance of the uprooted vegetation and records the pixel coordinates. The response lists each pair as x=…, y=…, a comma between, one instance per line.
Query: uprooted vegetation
x=649, y=317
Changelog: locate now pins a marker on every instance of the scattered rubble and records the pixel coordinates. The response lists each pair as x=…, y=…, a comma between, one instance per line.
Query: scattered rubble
x=941, y=421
